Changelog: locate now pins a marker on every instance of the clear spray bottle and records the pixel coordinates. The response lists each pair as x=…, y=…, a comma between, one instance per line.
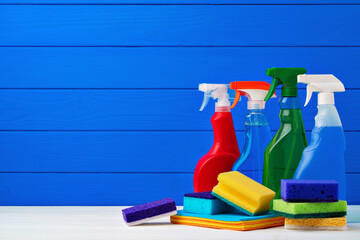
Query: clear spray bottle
x=257, y=130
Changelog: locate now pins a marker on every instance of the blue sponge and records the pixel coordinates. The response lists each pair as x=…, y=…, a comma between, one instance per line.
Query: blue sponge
x=205, y=203
x=301, y=190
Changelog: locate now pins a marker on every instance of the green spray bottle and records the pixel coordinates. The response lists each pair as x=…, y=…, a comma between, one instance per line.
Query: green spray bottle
x=283, y=153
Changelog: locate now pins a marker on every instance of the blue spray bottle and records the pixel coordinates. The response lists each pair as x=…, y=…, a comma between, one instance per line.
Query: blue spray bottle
x=257, y=130
x=324, y=157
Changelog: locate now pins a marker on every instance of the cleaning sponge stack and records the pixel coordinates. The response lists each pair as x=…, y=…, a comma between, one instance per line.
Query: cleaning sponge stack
x=236, y=203
x=311, y=205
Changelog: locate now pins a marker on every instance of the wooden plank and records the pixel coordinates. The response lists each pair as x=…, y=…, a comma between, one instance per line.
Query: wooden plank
x=103, y=151
x=182, y=25
x=91, y=189
x=171, y=67
x=139, y=110
x=119, y=151
x=132, y=2
x=31, y=189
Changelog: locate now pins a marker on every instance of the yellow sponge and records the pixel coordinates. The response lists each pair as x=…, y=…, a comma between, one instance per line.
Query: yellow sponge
x=336, y=223
x=243, y=193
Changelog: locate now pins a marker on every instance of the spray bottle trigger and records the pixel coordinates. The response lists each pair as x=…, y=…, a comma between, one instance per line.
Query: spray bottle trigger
x=309, y=92
x=237, y=98
x=205, y=100
x=274, y=84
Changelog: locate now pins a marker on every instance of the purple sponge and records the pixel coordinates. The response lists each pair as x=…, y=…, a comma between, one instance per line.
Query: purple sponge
x=149, y=211
x=301, y=190
x=204, y=195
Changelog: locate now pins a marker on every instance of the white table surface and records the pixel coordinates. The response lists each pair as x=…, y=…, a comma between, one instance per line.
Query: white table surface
x=72, y=223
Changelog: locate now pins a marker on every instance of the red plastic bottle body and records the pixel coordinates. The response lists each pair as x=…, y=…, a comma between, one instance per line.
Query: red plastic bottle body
x=222, y=155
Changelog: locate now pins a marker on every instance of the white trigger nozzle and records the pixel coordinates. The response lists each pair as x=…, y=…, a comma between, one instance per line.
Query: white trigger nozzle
x=324, y=84
x=215, y=91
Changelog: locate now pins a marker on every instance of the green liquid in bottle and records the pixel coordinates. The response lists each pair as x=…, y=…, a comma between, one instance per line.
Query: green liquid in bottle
x=283, y=154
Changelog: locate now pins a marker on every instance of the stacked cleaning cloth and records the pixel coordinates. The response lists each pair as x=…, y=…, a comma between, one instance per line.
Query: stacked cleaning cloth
x=236, y=203
x=311, y=205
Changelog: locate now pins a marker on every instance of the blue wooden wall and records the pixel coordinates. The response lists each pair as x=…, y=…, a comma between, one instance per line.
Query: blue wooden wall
x=99, y=101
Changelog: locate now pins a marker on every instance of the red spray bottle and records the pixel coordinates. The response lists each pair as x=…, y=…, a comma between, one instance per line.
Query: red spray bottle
x=225, y=150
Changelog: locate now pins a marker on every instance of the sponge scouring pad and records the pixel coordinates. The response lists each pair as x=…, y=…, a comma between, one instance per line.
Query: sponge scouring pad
x=149, y=211
x=337, y=223
x=299, y=190
x=309, y=210
x=205, y=203
x=239, y=222
x=243, y=193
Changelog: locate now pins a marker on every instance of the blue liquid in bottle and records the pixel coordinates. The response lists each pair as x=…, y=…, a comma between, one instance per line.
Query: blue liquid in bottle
x=323, y=159
x=257, y=137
